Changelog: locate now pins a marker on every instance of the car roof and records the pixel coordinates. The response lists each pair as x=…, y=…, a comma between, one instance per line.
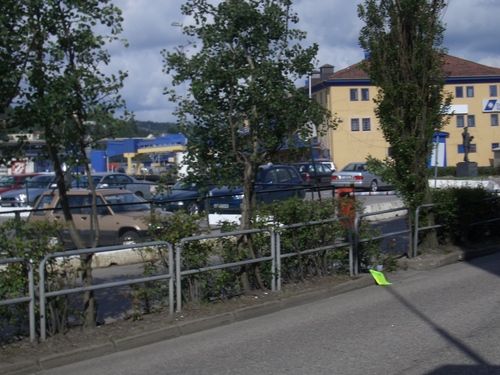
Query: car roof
x=21, y=175
x=79, y=191
x=107, y=173
x=270, y=165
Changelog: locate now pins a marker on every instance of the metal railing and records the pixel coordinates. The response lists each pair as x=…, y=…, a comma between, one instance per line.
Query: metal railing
x=335, y=245
x=43, y=294
x=29, y=298
x=357, y=240
x=418, y=229
x=176, y=273
x=179, y=272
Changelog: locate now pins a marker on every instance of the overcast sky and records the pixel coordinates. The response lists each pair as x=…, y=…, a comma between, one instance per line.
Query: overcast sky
x=472, y=33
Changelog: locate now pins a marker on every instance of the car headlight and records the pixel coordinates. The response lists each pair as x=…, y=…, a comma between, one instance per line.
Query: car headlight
x=238, y=197
x=23, y=197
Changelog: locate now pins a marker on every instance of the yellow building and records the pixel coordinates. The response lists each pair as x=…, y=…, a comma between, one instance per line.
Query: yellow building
x=349, y=94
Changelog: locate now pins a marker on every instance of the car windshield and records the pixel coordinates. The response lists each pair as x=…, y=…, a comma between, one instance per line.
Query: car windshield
x=180, y=185
x=40, y=182
x=354, y=167
x=126, y=202
x=7, y=181
x=83, y=181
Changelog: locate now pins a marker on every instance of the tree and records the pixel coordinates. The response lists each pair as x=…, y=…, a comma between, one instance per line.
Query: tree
x=60, y=89
x=403, y=39
x=243, y=105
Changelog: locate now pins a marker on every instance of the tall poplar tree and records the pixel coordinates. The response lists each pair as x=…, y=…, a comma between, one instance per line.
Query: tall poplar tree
x=403, y=39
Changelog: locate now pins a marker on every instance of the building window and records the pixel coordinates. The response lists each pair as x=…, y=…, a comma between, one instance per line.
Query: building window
x=460, y=121
x=459, y=92
x=320, y=98
x=366, y=125
x=470, y=91
x=355, y=124
x=472, y=149
x=495, y=145
x=493, y=90
x=494, y=119
x=365, y=94
x=354, y=94
x=471, y=121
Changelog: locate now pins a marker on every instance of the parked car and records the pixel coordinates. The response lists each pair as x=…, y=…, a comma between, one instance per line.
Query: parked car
x=314, y=174
x=183, y=196
x=123, y=217
x=357, y=176
x=272, y=183
x=328, y=162
x=27, y=195
x=15, y=181
x=143, y=189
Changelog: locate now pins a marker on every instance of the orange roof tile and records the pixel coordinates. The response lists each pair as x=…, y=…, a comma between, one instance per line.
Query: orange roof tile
x=456, y=67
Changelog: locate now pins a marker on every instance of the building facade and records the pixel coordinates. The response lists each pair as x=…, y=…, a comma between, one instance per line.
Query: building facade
x=349, y=95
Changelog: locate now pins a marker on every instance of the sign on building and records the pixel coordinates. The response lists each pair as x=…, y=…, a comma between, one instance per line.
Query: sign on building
x=491, y=105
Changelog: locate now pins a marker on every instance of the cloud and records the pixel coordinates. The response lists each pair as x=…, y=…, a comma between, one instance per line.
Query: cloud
x=472, y=30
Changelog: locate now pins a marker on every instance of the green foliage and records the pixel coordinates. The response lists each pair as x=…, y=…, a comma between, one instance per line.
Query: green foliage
x=33, y=241
x=152, y=296
x=59, y=87
x=403, y=40
x=243, y=105
x=451, y=171
x=157, y=128
x=458, y=209
x=57, y=58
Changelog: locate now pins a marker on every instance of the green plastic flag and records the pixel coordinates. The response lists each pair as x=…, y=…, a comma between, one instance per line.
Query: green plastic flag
x=379, y=278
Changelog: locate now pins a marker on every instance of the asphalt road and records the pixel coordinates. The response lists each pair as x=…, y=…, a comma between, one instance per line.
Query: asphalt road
x=441, y=321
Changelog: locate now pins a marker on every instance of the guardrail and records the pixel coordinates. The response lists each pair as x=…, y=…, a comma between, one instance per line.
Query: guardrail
x=179, y=272
x=357, y=240
x=31, y=293
x=43, y=294
x=418, y=229
x=335, y=245
x=176, y=273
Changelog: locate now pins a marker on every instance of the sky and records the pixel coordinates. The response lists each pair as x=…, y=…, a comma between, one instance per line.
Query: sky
x=472, y=33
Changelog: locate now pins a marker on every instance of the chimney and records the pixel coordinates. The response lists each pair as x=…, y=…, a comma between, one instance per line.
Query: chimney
x=326, y=71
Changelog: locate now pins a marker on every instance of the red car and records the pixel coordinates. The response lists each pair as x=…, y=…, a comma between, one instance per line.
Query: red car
x=15, y=181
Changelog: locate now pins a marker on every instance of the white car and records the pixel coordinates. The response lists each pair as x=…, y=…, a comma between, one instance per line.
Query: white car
x=331, y=164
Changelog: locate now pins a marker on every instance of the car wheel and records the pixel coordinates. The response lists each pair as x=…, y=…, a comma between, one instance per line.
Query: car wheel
x=129, y=238
x=374, y=186
x=192, y=208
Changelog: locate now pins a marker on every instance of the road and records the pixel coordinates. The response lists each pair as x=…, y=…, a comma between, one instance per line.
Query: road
x=441, y=321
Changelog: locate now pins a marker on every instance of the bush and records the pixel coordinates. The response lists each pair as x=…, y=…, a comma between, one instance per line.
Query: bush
x=452, y=171
x=33, y=241
x=466, y=214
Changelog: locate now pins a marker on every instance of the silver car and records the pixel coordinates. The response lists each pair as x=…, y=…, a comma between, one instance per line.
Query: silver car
x=143, y=189
x=27, y=195
x=357, y=176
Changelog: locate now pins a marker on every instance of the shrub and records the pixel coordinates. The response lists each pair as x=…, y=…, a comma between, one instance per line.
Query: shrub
x=33, y=241
x=466, y=214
